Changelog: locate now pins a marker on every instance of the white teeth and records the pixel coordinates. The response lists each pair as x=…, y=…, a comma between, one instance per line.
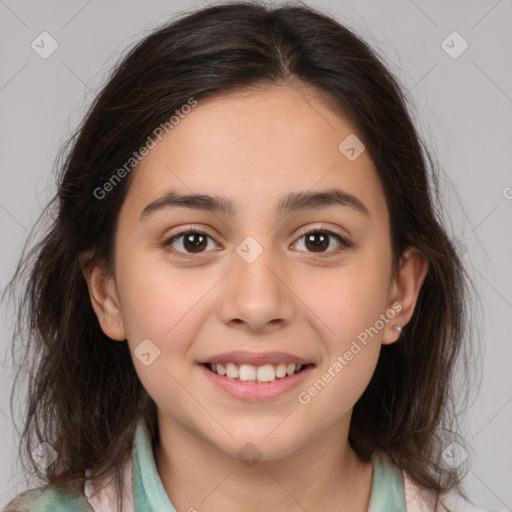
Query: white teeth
x=266, y=373
x=231, y=371
x=281, y=370
x=248, y=372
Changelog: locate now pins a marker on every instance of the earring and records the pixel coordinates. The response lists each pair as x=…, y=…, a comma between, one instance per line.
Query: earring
x=397, y=328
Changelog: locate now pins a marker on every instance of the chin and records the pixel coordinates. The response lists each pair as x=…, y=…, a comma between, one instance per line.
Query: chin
x=259, y=446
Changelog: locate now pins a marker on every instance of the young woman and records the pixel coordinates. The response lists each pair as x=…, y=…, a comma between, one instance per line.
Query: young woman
x=245, y=299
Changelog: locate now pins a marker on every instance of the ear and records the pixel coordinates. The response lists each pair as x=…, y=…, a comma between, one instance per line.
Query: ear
x=104, y=299
x=404, y=290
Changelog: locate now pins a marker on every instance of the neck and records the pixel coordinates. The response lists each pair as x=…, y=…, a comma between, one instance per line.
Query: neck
x=326, y=474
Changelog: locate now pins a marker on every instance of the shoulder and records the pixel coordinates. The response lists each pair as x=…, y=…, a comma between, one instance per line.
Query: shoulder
x=48, y=499
x=417, y=499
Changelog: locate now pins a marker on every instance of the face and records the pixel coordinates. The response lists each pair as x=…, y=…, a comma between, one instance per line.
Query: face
x=308, y=280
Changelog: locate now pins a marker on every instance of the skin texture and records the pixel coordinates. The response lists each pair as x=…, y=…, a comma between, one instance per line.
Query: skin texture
x=255, y=147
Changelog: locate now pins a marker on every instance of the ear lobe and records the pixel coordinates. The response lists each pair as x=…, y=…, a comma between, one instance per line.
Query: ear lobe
x=104, y=299
x=406, y=286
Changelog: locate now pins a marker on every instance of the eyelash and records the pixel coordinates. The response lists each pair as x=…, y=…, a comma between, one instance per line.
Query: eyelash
x=344, y=244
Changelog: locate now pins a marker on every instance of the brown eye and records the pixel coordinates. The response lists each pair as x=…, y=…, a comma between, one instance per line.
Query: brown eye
x=317, y=242
x=188, y=243
x=194, y=242
x=320, y=241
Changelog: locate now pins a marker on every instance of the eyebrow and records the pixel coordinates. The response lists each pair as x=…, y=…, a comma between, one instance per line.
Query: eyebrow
x=292, y=202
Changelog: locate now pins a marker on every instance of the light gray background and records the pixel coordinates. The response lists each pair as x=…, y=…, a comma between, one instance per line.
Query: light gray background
x=464, y=110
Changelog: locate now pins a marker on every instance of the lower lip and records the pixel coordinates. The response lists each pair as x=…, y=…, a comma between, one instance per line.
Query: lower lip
x=256, y=390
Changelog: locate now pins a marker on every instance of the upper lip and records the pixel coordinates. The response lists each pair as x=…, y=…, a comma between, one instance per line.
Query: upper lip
x=255, y=358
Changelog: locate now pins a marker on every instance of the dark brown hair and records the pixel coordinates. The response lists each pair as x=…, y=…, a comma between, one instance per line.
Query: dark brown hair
x=84, y=396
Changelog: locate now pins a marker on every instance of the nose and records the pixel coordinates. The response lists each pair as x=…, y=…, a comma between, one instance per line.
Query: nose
x=257, y=295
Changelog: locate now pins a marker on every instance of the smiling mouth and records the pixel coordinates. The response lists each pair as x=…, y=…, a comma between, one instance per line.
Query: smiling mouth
x=258, y=374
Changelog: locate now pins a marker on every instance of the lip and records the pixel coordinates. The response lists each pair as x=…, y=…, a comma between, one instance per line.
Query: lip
x=256, y=391
x=255, y=358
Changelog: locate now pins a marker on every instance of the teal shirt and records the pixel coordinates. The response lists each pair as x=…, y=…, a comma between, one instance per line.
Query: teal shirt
x=387, y=493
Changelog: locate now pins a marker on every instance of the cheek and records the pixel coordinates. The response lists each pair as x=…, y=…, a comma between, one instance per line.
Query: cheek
x=159, y=303
x=348, y=305
x=350, y=299
x=348, y=315
x=162, y=312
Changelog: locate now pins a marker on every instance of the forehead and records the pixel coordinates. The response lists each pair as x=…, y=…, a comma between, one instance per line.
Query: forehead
x=254, y=147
